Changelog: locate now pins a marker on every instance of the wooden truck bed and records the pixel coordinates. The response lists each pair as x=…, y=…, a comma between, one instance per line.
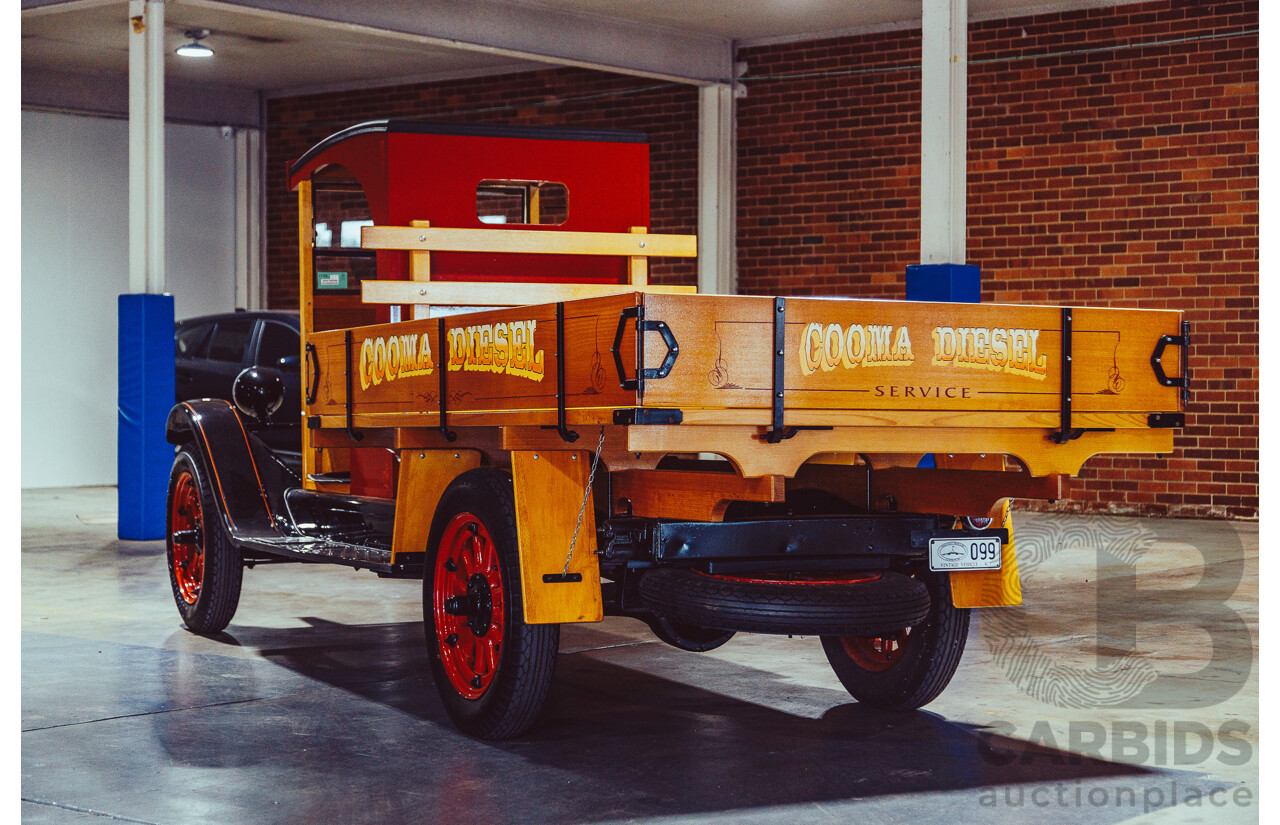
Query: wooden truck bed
x=770, y=382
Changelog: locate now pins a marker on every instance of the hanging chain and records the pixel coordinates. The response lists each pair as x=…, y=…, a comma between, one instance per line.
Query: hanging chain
x=586, y=496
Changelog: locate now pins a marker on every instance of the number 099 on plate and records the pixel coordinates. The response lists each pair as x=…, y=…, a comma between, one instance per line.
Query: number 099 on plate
x=964, y=554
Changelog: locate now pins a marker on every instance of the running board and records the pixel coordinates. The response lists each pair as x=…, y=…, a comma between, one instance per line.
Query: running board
x=354, y=531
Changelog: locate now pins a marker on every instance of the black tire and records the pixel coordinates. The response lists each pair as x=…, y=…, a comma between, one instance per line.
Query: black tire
x=505, y=699
x=884, y=604
x=207, y=598
x=915, y=672
x=688, y=637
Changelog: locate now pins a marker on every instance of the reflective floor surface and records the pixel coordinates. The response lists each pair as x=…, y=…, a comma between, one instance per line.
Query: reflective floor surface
x=315, y=706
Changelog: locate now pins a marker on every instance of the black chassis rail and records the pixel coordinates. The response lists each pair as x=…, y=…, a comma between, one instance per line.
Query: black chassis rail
x=627, y=546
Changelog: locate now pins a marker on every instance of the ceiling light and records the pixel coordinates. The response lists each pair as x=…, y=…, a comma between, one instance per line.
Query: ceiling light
x=195, y=48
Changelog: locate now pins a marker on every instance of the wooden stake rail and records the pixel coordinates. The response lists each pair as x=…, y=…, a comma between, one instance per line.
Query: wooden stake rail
x=699, y=371
x=528, y=241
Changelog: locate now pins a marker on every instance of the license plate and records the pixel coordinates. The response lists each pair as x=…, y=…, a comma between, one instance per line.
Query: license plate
x=964, y=554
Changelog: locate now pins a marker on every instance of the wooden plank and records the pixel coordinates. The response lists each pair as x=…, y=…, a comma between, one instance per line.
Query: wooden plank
x=549, y=491
x=505, y=294
x=754, y=457
x=923, y=490
x=528, y=241
x=688, y=495
x=424, y=476
x=614, y=454
x=991, y=588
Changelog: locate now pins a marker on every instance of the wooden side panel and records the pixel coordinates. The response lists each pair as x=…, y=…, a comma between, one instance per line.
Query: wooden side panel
x=424, y=476
x=497, y=361
x=991, y=588
x=688, y=495
x=549, y=489
x=906, y=356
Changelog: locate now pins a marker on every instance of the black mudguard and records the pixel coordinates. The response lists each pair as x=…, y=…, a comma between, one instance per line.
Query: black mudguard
x=248, y=481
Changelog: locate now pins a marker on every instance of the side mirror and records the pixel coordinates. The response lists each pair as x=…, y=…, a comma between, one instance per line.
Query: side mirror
x=258, y=392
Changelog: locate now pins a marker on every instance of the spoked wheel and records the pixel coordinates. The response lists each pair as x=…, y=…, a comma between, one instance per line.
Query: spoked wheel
x=492, y=670
x=468, y=605
x=186, y=531
x=908, y=669
x=204, y=568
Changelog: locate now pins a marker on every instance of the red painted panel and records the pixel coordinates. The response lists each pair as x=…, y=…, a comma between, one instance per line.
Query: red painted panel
x=434, y=178
x=373, y=472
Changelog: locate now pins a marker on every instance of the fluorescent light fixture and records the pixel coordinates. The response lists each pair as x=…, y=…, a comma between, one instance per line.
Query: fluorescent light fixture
x=195, y=48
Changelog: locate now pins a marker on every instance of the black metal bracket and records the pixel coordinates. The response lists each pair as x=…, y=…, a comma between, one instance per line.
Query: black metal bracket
x=1182, y=341
x=1166, y=420
x=351, y=431
x=442, y=365
x=562, y=425
x=778, y=432
x=562, y=578
x=313, y=363
x=645, y=415
x=1065, y=431
x=642, y=326
x=313, y=422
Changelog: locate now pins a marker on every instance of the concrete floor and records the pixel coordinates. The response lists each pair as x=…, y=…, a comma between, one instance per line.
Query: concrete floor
x=315, y=705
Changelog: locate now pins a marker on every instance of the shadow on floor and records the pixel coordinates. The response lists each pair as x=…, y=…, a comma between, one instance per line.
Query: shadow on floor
x=617, y=741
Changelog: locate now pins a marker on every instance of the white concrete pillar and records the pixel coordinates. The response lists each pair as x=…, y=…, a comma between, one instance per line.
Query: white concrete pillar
x=716, y=207
x=137, y=147
x=944, y=105
x=146, y=146
x=249, y=291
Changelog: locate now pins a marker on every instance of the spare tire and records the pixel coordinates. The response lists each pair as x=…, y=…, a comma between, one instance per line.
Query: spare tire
x=873, y=605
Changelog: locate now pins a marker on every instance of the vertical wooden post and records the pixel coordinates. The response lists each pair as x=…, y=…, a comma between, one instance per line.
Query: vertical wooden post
x=638, y=269
x=420, y=270
x=306, y=313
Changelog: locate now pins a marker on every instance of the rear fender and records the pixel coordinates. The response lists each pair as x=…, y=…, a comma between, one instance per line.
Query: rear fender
x=991, y=588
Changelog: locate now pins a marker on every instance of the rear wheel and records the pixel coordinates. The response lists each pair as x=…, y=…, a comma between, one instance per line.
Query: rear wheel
x=492, y=670
x=205, y=570
x=908, y=669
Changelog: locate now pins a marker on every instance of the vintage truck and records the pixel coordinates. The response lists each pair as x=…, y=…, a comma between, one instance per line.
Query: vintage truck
x=497, y=401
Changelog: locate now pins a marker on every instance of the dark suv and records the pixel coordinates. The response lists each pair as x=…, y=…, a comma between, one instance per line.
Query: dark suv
x=211, y=350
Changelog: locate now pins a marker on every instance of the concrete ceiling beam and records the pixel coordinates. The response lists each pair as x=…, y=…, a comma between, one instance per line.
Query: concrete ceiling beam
x=538, y=33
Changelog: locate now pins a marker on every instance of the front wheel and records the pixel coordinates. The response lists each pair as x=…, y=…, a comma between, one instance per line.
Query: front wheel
x=492, y=670
x=205, y=570
x=909, y=669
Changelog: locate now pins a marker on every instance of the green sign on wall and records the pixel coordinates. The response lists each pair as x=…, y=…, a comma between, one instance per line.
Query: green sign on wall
x=331, y=280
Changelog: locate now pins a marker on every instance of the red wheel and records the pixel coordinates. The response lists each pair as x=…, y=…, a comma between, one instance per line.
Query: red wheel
x=187, y=526
x=204, y=567
x=469, y=607
x=491, y=668
x=875, y=653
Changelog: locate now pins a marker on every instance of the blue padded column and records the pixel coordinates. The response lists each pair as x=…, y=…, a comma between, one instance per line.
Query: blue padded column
x=957, y=283
x=954, y=283
x=146, y=392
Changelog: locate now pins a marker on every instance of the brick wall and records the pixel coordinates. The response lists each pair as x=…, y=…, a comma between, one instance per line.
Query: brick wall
x=1108, y=167
x=574, y=98
x=1100, y=173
